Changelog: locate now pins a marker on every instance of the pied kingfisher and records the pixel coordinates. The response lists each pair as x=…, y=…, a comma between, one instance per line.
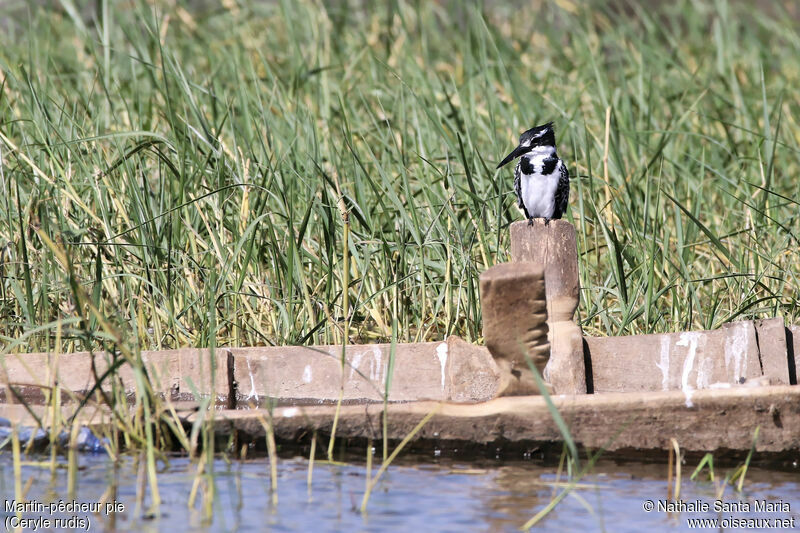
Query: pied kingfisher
x=541, y=179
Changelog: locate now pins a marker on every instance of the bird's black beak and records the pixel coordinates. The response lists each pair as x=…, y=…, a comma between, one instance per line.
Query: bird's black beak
x=518, y=151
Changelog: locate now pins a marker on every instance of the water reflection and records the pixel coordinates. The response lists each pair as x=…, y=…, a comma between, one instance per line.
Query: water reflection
x=443, y=496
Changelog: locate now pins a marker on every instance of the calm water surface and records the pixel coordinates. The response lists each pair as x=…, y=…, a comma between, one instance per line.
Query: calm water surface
x=445, y=495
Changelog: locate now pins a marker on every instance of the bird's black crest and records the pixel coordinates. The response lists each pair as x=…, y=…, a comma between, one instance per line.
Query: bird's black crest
x=543, y=135
x=540, y=135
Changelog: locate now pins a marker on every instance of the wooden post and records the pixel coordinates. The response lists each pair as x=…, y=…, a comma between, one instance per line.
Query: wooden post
x=515, y=324
x=554, y=247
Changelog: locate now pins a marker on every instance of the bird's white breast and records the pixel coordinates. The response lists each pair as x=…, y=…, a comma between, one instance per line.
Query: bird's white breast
x=539, y=190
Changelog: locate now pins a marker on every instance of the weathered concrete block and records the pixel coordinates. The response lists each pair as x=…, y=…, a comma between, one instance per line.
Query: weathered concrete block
x=182, y=374
x=163, y=369
x=312, y=374
x=566, y=370
x=471, y=372
x=687, y=361
x=32, y=374
x=515, y=323
x=718, y=420
x=452, y=370
x=174, y=374
x=196, y=376
x=554, y=247
x=772, y=350
x=793, y=347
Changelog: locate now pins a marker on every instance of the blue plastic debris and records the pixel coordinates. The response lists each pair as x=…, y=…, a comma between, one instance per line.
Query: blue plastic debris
x=86, y=441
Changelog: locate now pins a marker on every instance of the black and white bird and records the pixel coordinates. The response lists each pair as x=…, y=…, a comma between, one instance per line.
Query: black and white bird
x=541, y=179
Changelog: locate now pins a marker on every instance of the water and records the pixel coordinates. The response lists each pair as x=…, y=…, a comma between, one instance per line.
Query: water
x=417, y=494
